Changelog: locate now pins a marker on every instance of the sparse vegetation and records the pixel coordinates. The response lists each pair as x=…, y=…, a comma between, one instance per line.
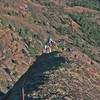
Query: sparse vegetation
x=47, y=3
x=32, y=51
x=14, y=61
x=94, y=4
x=12, y=13
x=23, y=32
x=8, y=55
x=64, y=30
x=90, y=29
x=72, y=34
x=5, y=23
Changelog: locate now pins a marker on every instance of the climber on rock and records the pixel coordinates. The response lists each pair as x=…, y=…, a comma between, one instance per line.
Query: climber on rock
x=47, y=49
x=48, y=45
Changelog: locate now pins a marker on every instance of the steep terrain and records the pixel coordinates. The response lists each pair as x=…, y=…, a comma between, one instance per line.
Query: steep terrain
x=71, y=71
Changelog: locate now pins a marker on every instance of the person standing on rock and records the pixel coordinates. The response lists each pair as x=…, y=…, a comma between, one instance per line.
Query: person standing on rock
x=48, y=45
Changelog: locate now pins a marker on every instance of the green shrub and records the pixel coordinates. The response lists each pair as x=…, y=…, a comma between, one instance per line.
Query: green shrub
x=23, y=32
x=3, y=23
x=64, y=30
x=32, y=51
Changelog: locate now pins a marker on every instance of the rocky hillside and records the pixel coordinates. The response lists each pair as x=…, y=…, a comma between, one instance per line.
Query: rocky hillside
x=71, y=71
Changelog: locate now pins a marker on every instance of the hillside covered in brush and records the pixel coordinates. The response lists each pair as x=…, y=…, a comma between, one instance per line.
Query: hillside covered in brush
x=71, y=71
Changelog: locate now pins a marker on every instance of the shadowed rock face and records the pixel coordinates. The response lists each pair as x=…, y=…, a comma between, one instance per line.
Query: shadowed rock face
x=1, y=95
x=61, y=83
x=35, y=76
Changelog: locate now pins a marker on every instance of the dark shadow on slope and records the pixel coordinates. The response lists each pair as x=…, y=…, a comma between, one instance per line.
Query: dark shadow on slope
x=35, y=76
x=1, y=95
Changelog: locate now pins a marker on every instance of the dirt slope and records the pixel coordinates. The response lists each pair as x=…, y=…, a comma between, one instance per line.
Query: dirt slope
x=26, y=25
